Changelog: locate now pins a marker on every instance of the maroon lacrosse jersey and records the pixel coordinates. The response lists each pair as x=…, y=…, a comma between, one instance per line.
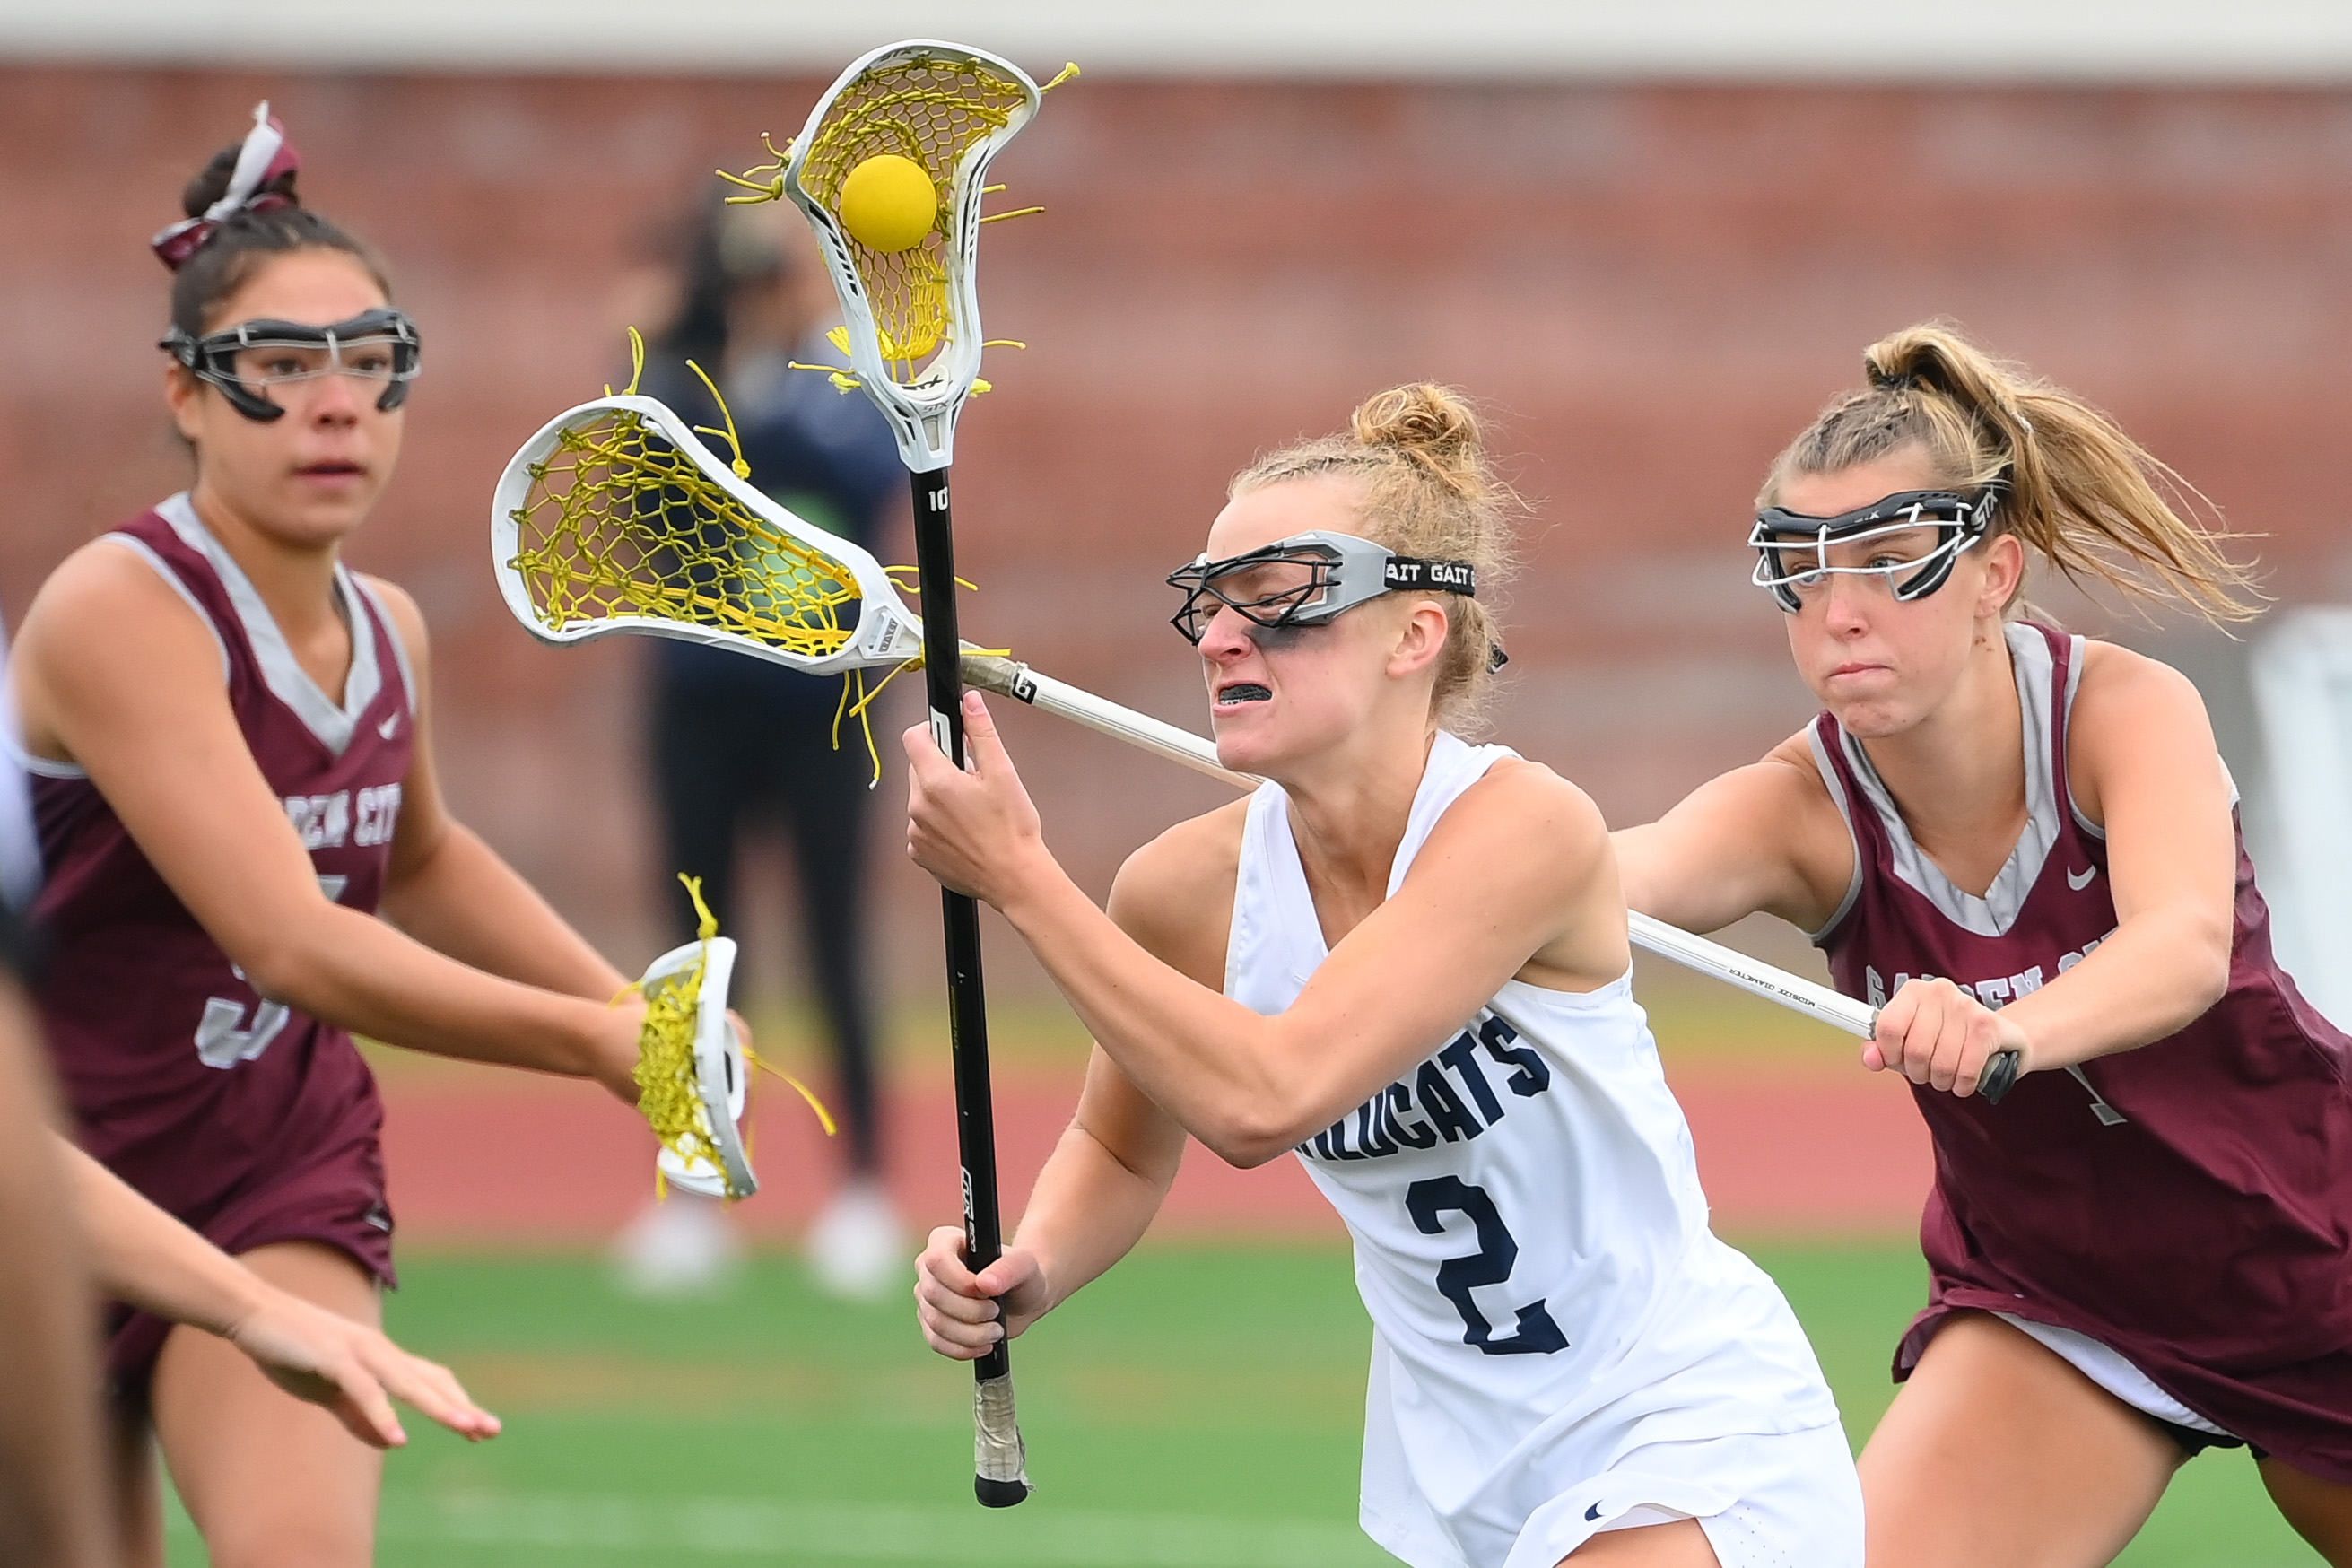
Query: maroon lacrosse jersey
x=2188, y=1202
x=246, y=1118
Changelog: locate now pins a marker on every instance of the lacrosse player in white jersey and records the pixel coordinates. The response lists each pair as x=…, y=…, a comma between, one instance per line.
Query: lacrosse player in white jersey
x=1404, y=959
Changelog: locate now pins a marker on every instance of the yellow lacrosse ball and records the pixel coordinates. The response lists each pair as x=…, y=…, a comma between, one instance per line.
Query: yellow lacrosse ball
x=888, y=203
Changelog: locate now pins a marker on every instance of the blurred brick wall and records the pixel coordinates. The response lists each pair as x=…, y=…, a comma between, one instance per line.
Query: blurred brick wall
x=1652, y=289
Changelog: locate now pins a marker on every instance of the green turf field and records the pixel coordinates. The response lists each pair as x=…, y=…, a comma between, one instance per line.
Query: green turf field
x=1200, y=1406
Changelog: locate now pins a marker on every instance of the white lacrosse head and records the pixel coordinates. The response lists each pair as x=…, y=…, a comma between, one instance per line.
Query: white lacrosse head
x=616, y=518
x=723, y=1169
x=913, y=316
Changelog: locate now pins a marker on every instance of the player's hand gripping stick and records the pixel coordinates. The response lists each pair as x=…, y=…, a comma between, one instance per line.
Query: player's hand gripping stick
x=1831, y=1007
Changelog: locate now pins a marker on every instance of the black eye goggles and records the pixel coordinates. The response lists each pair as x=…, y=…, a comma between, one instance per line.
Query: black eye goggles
x=1958, y=521
x=380, y=345
x=1307, y=580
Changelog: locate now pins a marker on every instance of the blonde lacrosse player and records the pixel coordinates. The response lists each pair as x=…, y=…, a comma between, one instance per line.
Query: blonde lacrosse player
x=2018, y=839
x=227, y=733
x=1405, y=961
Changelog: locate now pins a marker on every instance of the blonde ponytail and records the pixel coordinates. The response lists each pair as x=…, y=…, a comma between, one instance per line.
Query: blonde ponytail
x=1428, y=493
x=2070, y=484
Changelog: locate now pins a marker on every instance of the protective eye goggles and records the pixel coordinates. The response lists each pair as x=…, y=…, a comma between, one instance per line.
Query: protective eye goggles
x=1307, y=580
x=380, y=346
x=1792, y=549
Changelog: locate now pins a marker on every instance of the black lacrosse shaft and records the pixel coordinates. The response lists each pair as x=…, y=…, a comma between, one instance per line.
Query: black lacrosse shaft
x=983, y=1225
x=1998, y=1078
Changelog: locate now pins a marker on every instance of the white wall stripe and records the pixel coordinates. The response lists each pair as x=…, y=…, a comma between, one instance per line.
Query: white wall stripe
x=2106, y=40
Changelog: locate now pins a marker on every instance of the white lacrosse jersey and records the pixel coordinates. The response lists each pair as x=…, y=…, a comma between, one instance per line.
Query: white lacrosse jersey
x=1557, y=1335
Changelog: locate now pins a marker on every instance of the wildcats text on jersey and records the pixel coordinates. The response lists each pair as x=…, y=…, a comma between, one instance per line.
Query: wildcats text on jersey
x=1450, y=1097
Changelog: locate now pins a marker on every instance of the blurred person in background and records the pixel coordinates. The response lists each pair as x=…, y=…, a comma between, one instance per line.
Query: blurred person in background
x=735, y=743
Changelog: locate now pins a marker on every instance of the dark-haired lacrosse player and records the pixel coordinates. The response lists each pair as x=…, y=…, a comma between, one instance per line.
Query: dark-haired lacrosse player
x=1404, y=959
x=68, y=1223
x=228, y=734
x=2020, y=839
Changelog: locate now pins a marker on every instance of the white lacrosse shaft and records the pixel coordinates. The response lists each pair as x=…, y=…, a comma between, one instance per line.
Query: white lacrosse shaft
x=1712, y=958
x=1011, y=678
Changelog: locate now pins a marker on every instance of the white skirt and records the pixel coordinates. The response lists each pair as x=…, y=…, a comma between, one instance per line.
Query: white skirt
x=1713, y=1409
x=1765, y=1500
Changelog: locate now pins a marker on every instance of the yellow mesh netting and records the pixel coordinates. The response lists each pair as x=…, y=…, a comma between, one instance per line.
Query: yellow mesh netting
x=930, y=110
x=669, y=1092
x=669, y=1095
x=619, y=522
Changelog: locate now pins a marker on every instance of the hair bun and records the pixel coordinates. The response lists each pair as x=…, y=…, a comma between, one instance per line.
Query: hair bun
x=1435, y=426
x=198, y=195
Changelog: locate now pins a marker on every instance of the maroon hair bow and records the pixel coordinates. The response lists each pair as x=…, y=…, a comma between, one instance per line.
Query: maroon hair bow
x=265, y=156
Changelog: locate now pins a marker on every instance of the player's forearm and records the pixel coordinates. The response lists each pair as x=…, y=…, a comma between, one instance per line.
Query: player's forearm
x=357, y=972
x=141, y=1255
x=53, y=1508
x=1086, y=1212
x=2156, y=974
x=461, y=899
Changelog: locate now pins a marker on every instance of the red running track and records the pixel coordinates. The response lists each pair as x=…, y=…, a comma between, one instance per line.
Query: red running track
x=550, y=1162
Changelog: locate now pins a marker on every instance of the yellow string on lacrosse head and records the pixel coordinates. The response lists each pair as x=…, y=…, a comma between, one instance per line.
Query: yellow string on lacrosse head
x=912, y=311
x=615, y=516
x=693, y=1070
x=690, y=1073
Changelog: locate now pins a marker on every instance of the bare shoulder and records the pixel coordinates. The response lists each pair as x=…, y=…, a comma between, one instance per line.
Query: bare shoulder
x=106, y=602
x=1790, y=775
x=2113, y=674
x=1547, y=821
x=1783, y=789
x=104, y=577
x=2128, y=702
x=1175, y=895
x=106, y=646
x=2134, y=716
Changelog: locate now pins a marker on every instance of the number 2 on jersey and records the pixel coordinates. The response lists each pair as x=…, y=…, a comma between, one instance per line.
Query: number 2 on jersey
x=1429, y=1202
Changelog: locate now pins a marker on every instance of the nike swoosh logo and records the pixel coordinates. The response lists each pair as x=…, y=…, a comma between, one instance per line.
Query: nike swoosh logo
x=2078, y=880
x=393, y=724
x=1592, y=1513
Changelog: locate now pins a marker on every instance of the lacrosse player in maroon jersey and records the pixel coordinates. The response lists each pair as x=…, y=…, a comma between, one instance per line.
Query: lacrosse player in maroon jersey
x=2017, y=839
x=228, y=734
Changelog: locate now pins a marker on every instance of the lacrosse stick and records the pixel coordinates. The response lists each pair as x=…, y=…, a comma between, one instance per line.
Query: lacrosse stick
x=924, y=120
x=690, y=1072
x=615, y=516
x=905, y=138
